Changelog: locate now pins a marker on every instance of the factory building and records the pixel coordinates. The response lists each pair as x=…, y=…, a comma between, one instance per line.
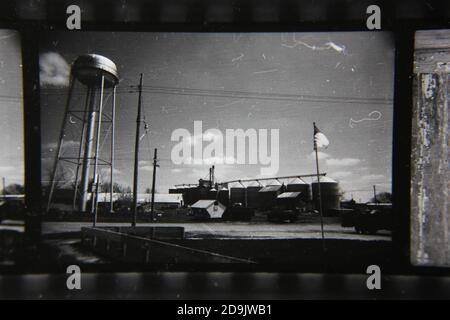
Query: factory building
x=162, y=200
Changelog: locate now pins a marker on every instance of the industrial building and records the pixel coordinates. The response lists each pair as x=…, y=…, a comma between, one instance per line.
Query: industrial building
x=162, y=200
x=264, y=194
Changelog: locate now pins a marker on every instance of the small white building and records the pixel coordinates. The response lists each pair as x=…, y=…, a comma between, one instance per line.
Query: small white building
x=211, y=209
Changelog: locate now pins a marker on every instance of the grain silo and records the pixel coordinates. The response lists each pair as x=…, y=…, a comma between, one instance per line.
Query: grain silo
x=268, y=196
x=237, y=194
x=330, y=194
x=203, y=193
x=252, y=194
x=192, y=195
x=213, y=194
x=298, y=185
x=223, y=196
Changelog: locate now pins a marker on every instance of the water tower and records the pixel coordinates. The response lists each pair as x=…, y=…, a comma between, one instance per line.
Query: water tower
x=93, y=82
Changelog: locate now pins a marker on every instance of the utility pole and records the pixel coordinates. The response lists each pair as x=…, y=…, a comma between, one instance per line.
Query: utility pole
x=375, y=194
x=4, y=186
x=136, y=155
x=155, y=164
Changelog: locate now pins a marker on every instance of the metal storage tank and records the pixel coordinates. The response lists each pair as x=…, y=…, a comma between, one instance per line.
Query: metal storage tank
x=202, y=193
x=268, y=196
x=237, y=194
x=330, y=194
x=252, y=194
x=223, y=196
x=193, y=195
x=213, y=194
x=298, y=185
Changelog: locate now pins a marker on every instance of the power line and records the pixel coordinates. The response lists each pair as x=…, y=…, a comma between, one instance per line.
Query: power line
x=272, y=96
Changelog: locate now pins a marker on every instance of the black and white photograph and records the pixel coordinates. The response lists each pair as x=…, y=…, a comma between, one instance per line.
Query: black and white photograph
x=204, y=151
x=217, y=148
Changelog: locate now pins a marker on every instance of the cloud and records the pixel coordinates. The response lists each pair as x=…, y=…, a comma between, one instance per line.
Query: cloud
x=146, y=168
x=373, y=177
x=342, y=162
x=321, y=155
x=340, y=174
x=7, y=169
x=106, y=171
x=54, y=71
x=334, y=161
x=203, y=138
x=211, y=160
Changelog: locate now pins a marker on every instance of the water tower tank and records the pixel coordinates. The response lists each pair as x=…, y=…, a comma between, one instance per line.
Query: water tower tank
x=96, y=74
x=89, y=69
x=330, y=194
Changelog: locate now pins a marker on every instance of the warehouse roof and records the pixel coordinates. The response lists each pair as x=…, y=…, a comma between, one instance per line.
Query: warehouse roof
x=274, y=182
x=297, y=181
x=291, y=195
x=253, y=184
x=270, y=188
x=325, y=180
x=203, y=204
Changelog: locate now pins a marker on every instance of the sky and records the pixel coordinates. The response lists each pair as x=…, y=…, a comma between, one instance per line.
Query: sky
x=349, y=75
x=11, y=109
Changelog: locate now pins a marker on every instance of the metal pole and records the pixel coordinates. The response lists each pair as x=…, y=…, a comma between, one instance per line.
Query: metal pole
x=319, y=194
x=88, y=152
x=60, y=142
x=113, y=126
x=136, y=154
x=97, y=139
x=155, y=161
x=95, y=202
x=80, y=151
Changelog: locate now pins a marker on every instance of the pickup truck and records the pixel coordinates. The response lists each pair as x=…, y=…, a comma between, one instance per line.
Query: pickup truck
x=368, y=218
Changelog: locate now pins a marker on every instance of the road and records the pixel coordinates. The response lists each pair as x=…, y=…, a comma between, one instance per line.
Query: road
x=239, y=230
